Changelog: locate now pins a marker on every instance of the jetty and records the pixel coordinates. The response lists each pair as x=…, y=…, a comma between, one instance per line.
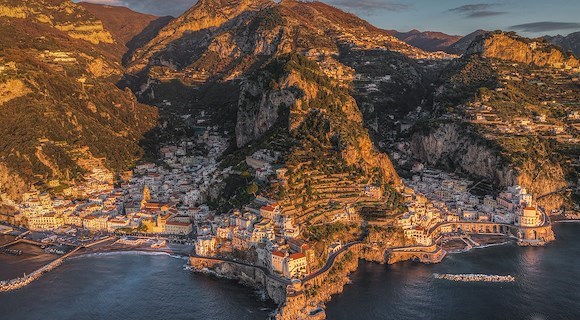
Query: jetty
x=475, y=277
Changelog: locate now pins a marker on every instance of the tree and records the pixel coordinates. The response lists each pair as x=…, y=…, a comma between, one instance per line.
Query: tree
x=246, y=174
x=143, y=228
x=252, y=189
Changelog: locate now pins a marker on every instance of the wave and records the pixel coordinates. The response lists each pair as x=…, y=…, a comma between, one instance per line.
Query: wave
x=480, y=247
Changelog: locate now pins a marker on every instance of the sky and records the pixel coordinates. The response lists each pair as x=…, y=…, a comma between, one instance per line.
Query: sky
x=527, y=17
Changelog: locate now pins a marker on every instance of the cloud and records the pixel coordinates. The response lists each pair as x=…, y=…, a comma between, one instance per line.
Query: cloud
x=370, y=6
x=545, y=26
x=478, y=10
x=156, y=7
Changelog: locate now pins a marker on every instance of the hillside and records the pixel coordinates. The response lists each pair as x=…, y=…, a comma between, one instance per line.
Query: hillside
x=505, y=113
x=461, y=45
x=59, y=106
x=130, y=28
x=224, y=53
x=284, y=72
x=508, y=46
x=570, y=42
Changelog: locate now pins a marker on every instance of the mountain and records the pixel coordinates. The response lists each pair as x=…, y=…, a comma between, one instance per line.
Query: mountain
x=570, y=42
x=211, y=23
x=256, y=32
x=427, y=40
x=279, y=76
x=130, y=28
x=462, y=44
x=508, y=46
x=59, y=106
x=501, y=112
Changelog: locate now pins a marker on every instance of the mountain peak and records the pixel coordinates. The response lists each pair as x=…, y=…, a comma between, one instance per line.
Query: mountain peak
x=509, y=46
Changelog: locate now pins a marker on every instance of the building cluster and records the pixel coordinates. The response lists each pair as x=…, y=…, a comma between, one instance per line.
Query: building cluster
x=260, y=228
x=435, y=197
x=556, y=114
x=155, y=199
x=263, y=163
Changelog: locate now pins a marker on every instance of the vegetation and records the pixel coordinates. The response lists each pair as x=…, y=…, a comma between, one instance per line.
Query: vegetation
x=59, y=116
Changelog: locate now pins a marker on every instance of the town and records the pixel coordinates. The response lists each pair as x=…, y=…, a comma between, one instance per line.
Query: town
x=163, y=204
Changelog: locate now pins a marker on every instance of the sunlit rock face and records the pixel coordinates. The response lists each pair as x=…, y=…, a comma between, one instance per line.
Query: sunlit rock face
x=510, y=47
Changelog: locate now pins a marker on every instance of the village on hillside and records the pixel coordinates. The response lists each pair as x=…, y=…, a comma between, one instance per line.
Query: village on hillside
x=167, y=202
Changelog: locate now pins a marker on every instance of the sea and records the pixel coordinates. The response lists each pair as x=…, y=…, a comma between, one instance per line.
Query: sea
x=135, y=286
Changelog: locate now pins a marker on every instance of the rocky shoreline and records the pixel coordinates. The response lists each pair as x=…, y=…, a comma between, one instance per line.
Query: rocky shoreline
x=307, y=299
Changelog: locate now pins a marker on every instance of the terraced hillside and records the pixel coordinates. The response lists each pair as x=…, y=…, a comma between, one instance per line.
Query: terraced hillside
x=59, y=96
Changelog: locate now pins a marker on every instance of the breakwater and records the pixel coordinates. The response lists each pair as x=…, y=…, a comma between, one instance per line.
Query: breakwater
x=20, y=282
x=475, y=277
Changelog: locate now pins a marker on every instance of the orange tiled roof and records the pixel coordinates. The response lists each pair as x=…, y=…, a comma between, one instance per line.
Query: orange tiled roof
x=297, y=255
x=278, y=253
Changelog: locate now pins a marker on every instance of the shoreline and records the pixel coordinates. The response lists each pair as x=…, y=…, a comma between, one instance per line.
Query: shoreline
x=21, y=282
x=335, y=288
x=129, y=252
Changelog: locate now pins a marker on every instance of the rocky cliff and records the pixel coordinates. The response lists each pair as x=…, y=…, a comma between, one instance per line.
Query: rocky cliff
x=316, y=111
x=508, y=46
x=456, y=147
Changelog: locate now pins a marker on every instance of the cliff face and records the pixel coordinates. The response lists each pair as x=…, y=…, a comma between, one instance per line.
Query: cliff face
x=298, y=89
x=259, y=109
x=509, y=47
x=454, y=146
x=449, y=146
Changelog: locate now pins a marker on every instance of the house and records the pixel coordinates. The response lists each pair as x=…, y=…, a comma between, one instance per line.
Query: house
x=373, y=192
x=178, y=227
x=296, y=265
x=205, y=246
x=45, y=222
x=278, y=261
x=270, y=211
